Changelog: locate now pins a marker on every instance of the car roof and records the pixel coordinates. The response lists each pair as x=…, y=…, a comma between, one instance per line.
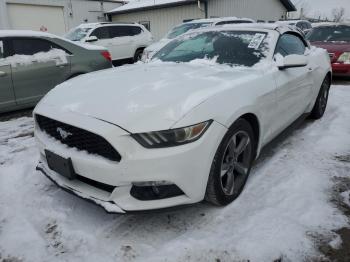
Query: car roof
x=25, y=33
x=219, y=19
x=253, y=27
x=94, y=25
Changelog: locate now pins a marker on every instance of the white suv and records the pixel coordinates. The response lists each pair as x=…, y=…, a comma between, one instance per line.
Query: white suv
x=125, y=41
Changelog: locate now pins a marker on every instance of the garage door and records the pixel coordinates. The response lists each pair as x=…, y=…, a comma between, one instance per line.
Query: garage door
x=37, y=17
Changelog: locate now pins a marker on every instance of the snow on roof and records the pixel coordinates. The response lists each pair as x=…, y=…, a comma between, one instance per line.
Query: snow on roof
x=143, y=4
x=253, y=27
x=5, y=33
x=219, y=19
x=138, y=4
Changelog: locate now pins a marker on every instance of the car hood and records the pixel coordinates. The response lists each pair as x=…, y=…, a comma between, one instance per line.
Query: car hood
x=158, y=45
x=144, y=97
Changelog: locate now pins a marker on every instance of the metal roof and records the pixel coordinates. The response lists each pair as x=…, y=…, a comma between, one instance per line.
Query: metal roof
x=288, y=5
x=132, y=7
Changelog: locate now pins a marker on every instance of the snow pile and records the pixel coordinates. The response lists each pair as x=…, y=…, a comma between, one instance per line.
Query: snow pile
x=57, y=55
x=286, y=203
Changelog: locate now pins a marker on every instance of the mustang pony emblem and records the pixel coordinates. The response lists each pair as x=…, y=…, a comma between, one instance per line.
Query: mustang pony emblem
x=63, y=133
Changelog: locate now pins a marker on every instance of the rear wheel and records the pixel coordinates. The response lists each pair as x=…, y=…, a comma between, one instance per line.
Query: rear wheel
x=232, y=164
x=321, y=101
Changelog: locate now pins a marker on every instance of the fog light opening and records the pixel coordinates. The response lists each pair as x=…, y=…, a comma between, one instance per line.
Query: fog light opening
x=154, y=190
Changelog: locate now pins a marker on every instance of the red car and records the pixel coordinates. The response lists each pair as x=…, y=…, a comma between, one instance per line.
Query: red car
x=335, y=38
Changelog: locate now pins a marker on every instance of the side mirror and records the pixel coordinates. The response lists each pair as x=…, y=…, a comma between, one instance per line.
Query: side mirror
x=90, y=39
x=292, y=61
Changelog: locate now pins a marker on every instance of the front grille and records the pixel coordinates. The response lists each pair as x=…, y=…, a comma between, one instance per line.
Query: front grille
x=78, y=138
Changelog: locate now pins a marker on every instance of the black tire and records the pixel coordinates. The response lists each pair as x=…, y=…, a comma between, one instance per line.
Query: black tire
x=138, y=55
x=217, y=193
x=321, y=101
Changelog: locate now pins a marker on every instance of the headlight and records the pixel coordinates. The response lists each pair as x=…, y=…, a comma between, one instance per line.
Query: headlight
x=344, y=58
x=172, y=137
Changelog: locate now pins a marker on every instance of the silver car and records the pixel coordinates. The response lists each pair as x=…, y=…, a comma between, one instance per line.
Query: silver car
x=32, y=63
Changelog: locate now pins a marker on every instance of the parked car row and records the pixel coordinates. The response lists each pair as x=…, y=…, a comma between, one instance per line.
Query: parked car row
x=120, y=42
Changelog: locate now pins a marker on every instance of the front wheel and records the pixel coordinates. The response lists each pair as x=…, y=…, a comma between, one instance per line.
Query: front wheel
x=138, y=55
x=231, y=165
x=321, y=101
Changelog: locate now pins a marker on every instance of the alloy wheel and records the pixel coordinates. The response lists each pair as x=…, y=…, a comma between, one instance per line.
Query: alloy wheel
x=235, y=163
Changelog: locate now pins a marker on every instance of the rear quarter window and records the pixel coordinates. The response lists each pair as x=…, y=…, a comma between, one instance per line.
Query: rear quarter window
x=101, y=33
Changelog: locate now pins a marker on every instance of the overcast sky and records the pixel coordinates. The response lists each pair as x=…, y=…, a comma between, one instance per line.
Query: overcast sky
x=316, y=8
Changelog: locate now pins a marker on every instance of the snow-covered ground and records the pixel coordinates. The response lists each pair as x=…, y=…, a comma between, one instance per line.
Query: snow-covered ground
x=285, y=205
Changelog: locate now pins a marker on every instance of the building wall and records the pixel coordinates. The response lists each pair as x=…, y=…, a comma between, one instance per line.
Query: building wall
x=268, y=10
x=162, y=20
x=75, y=12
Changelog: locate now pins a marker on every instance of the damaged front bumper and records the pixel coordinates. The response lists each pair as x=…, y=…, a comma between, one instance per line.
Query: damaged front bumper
x=108, y=206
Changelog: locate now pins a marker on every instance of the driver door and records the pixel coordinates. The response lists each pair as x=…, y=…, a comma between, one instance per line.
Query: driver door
x=33, y=78
x=294, y=85
x=7, y=96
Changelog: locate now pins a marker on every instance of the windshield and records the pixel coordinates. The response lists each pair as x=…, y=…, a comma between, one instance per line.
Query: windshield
x=77, y=34
x=181, y=29
x=243, y=48
x=330, y=34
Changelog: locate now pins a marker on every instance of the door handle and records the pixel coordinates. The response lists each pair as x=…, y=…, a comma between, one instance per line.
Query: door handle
x=2, y=74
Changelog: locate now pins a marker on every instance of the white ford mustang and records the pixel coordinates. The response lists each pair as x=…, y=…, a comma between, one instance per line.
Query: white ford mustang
x=185, y=127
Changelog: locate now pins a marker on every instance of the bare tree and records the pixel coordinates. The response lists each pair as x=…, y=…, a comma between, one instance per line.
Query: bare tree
x=338, y=14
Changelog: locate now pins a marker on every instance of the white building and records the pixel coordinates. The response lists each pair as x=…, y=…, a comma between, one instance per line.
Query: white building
x=54, y=16
x=161, y=15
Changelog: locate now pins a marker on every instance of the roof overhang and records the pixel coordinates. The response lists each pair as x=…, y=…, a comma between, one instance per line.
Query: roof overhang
x=288, y=5
x=154, y=7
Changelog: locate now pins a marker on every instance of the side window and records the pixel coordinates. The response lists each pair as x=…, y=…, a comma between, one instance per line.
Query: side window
x=146, y=24
x=136, y=30
x=101, y=33
x=27, y=46
x=2, y=50
x=116, y=31
x=289, y=44
x=119, y=31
